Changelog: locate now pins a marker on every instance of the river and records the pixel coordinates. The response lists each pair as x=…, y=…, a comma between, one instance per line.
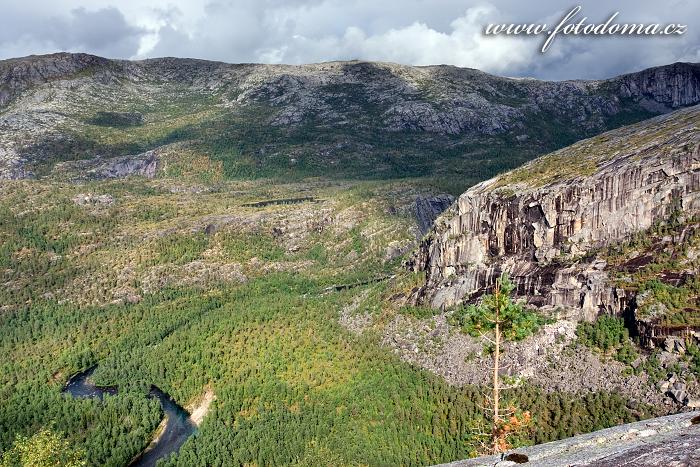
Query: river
x=178, y=424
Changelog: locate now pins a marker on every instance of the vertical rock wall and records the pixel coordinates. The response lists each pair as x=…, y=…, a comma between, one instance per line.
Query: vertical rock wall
x=544, y=236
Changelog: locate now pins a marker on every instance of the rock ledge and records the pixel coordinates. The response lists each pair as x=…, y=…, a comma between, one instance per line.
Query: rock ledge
x=673, y=440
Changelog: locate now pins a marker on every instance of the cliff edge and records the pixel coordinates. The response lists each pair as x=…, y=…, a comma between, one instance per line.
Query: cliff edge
x=545, y=222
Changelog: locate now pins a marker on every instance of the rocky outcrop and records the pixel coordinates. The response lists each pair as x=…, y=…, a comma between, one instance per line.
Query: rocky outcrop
x=671, y=440
x=89, y=199
x=19, y=74
x=670, y=86
x=360, y=108
x=145, y=165
x=428, y=208
x=540, y=223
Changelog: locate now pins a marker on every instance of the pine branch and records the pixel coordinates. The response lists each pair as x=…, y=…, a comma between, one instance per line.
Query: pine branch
x=483, y=336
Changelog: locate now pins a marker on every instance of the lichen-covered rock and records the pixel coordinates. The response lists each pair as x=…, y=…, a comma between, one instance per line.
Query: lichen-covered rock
x=673, y=440
x=539, y=222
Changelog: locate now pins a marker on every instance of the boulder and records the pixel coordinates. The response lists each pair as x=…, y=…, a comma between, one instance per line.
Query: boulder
x=675, y=345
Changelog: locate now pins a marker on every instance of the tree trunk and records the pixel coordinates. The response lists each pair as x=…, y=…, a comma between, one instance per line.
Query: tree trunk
x=496, y=409
x=496, y=359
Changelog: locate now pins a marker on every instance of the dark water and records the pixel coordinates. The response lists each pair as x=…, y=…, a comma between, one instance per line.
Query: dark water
x=178, y=426
x=80, y=386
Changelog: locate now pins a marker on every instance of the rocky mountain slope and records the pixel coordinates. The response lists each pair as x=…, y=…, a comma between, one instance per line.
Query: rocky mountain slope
x=149, y=233
x=356, y=118
x=543, y=223
x=609, y=226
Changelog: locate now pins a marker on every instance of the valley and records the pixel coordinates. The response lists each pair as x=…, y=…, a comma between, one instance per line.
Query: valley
x=295, y=249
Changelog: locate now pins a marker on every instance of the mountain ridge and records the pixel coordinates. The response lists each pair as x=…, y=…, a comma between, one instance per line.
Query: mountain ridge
x=92, y=58
x=207, y=228
x=356, y=118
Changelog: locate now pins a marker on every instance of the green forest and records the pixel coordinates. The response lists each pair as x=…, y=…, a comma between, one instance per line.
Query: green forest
x=292, y=386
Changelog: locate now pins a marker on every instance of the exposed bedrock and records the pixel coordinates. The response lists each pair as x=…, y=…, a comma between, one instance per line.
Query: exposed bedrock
x=428, y=208
x=145, y=164
x=673, y=440
x=544, y=236
x=673, y=86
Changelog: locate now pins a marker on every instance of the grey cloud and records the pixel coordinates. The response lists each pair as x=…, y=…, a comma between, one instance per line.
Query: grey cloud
x=228, y=32
x=302, y=31
x=103, y=32
x=420, y=32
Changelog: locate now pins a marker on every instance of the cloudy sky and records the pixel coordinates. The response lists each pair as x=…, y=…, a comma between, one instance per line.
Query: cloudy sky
x=418, y=32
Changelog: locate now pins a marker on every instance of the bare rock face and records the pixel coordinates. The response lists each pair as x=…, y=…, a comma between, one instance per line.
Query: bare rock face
x=145, y=165
x=673, y=86
x=673, y=440
x=540, y=221
x=428, y=208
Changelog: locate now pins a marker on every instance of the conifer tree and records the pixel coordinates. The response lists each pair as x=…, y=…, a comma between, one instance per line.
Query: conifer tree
x=498, y=319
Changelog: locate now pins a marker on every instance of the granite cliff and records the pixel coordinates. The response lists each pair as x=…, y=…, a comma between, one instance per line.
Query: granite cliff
x=428, y=208
x=545, y=222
